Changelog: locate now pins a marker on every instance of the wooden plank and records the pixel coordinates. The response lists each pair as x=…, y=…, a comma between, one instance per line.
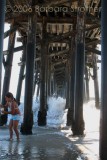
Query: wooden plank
x=93, y=50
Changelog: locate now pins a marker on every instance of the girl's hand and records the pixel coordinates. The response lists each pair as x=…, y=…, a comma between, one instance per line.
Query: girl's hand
x=3, y=112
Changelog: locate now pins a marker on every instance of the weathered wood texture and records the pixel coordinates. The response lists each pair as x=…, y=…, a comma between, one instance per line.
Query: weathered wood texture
x=26, y=127
x=103, y=118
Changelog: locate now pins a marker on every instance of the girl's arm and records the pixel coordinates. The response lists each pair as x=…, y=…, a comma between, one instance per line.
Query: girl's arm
x=6, y=106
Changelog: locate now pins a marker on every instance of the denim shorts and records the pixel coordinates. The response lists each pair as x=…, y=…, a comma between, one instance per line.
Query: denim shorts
x=15, y=117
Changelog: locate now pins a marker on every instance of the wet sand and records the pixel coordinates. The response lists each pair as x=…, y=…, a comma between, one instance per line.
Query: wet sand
x=44, y=144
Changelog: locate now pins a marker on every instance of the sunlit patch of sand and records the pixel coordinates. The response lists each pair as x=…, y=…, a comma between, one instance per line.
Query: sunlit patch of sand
x=91, y=117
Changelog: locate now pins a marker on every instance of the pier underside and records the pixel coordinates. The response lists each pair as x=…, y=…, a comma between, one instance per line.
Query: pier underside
x=61, y=50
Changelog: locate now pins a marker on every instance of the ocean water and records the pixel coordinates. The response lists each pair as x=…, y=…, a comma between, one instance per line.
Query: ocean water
x=57, y=114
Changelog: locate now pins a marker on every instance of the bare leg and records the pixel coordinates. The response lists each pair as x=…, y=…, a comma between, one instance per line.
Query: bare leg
x=11, y=129
x=15, y=126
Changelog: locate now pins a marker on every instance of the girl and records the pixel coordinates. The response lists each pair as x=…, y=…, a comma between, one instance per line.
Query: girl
x=15, y=114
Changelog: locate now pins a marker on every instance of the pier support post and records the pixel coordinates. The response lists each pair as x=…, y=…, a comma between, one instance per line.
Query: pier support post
x=95, y=78
x=87, y=97
x=26, y=127
x=78, y=126
x=43, y=86
x=52, y=83
x=72, y=83
x=68, y=78
x=103, y=118
x=2, y=20
x=21, y=74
